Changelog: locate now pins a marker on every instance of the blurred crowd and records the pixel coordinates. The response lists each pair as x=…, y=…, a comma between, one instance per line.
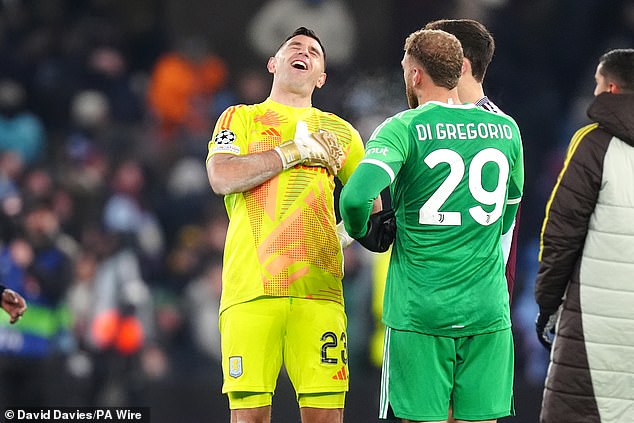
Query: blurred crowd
x=109, y=228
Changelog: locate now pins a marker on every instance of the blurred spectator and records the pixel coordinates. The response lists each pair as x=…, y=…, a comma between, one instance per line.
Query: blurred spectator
x=34, y=265
x=95, y=129
x=358, y=298
x=81, y=293
x=37, y=183
x=181, y=88
x=186, y=184
x=202, y=297
x=80, y=366
x=215, y=233
x=107, y=73
x=122, y=329
x=128, y=213
x=84, y=161
x=332, y=19
x=249, y=87
x=21, y=131
x=11, y=204
x=184, y=261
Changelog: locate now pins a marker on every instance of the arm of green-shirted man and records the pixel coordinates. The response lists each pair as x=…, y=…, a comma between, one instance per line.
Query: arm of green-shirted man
x=358, y=196
x=509, y=217
x=516, y=187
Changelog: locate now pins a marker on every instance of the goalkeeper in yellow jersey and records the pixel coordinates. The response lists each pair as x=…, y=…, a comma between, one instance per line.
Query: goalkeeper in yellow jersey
x=282, y=300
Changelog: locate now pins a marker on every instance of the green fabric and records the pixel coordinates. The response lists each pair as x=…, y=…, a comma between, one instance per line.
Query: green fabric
x=475, y=373
x=358, y=196
x=509, y=217
x=42, y=321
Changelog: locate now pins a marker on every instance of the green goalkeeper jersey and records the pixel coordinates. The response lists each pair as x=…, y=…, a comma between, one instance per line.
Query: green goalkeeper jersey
x=452, y=169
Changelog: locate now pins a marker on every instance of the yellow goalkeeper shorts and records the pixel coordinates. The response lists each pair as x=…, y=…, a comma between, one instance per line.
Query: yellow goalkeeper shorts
x=307, y=336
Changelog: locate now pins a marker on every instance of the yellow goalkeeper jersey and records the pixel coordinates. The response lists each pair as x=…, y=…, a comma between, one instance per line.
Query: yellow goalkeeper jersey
x=281, y=239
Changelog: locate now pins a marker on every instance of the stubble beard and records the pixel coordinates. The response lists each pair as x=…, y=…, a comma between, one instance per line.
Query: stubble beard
x=412, y=99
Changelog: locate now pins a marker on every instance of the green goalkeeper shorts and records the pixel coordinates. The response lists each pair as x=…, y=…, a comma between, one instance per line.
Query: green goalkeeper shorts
x=424, y=374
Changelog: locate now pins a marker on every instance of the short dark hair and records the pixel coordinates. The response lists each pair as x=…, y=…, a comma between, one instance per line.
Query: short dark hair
x=439, y=53
x=477, y=42
x=618, y=65
x=302, y=30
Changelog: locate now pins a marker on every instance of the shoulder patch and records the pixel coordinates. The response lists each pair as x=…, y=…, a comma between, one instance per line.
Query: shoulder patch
x=225, y=137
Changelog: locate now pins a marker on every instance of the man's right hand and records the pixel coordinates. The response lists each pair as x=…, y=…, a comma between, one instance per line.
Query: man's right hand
x=318, y=149
x=381, y=231
x=13, y=304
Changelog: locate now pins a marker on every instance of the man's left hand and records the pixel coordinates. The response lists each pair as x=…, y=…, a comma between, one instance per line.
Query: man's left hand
x=545, y=327
x=381, y=231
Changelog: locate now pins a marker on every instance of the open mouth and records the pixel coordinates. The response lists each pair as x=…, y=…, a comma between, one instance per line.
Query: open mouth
x=298, y=64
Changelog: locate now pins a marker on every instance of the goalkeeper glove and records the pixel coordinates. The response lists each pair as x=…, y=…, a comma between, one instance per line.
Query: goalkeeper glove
x=316, y=149
x=545, y=327
x=344, y=238
x=381, y=231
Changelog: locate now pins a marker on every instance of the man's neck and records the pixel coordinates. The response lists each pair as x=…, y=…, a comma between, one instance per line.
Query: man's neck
x=441, y=95
x=289, y=98
x=470, y=92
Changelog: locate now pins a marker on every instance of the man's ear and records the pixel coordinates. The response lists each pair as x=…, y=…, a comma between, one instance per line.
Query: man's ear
x=321, y=80
x=417, y=76
x=466, y=67
x=270, y=65
x=613, y=88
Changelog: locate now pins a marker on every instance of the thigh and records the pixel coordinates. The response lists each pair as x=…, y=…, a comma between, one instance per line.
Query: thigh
x=252, y=338
x=417, y=375
x=484, y=376
x=316, y=355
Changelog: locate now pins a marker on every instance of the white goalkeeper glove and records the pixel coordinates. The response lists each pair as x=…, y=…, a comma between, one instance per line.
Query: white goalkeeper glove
x=316, y=149
x=344, y=239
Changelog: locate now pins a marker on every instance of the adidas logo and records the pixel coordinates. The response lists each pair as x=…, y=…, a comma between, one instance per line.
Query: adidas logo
x=341, y=374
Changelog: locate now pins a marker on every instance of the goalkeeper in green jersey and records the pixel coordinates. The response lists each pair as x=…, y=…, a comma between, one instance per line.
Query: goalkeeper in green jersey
x=455, y=174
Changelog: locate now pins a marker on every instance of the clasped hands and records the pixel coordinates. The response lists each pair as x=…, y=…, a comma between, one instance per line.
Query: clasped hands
x=312, y=149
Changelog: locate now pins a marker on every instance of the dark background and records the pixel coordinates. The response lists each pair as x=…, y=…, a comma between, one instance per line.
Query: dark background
x=542, y=75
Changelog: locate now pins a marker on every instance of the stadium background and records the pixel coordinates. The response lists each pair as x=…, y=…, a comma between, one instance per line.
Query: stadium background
x=120, y=98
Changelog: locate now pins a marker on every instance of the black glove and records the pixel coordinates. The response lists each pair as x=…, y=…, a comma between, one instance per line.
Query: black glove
x=381, y=231
x=545, y=327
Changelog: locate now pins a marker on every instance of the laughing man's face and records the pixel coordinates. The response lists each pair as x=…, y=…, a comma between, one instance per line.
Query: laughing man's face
x=299, y=63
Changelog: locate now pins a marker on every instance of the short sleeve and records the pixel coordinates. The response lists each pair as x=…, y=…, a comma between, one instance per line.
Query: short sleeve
x=230, y=133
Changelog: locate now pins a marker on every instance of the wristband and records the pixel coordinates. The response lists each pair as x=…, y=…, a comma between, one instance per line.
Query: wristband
x=289, y=153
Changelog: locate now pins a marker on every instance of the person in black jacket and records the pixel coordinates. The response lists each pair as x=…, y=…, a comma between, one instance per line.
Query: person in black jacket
x=584, y=284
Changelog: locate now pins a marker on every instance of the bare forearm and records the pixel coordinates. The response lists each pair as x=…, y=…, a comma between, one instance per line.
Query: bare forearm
x=229, y=174
x=377, y=205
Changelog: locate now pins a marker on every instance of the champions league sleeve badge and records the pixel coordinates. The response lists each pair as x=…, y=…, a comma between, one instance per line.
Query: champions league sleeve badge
x=225, y=137
x=224, y=142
